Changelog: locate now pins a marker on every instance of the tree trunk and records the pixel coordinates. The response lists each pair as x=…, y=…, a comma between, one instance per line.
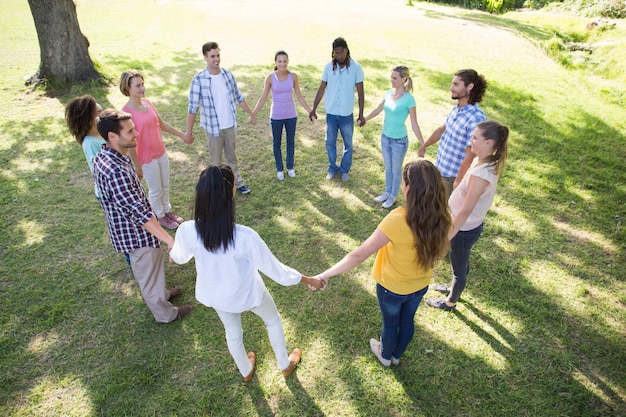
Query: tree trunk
x=64, y=49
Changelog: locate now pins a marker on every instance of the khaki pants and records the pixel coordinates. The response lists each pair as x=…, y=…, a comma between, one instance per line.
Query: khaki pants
x=225, y=142
x=149, y=271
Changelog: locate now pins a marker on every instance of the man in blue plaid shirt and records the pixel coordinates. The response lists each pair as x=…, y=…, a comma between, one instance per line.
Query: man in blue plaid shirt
x=214, y=89
x=133, y=227
x=454, y=155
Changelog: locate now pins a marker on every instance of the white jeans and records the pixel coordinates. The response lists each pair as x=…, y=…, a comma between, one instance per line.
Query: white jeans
x=234, y=334
x=157, y=175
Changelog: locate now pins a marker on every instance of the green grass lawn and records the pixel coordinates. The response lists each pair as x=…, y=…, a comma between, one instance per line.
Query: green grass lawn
x=540, y=330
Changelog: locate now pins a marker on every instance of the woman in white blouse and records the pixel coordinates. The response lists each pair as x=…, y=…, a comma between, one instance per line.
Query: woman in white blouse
x=228, y=258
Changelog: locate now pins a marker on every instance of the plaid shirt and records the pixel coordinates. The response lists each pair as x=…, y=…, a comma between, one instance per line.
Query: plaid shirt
x=123, y=200
x=200, y=96
x=460, y=125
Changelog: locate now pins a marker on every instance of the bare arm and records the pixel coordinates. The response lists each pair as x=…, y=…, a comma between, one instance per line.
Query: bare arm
x=266, y=91
x=415, y=126
x=475, y=188
x=376, y=241
x=166, y=127
x=154, y=228
x=251, y=116
x=191, y=119
x=296, y=90
x=361, y=96
x=375, y=112
x=132, y=153
x=318, y=98
x=467, y=162
x=434, y=138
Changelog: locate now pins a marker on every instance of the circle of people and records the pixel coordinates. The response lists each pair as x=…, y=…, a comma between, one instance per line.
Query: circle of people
x=446, y=202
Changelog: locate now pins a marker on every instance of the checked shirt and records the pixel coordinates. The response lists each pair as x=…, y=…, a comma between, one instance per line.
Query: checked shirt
x=460, y=125
x=123, y=200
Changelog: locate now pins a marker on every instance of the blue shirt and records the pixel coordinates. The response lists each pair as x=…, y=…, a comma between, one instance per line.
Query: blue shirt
x=460, y=125
x=340, y=85
x=123, y=200
x=396, y=112
x=91, y=147
x=200, y=96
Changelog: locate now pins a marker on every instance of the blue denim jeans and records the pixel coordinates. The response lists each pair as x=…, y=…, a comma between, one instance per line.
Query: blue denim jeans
x=334, y=125
x=460, y=248
x=277, y=134
x=398, y=313
x=393, y=151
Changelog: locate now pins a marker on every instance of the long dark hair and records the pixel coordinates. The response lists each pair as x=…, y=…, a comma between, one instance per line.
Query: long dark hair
x=214, y=211
x=427, y=211
x=80, y=114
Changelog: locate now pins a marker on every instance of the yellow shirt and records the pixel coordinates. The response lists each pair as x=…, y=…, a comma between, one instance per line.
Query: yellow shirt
x=395, y=267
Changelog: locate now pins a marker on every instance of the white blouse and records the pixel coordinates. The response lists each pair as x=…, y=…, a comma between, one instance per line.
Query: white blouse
x=230, y=280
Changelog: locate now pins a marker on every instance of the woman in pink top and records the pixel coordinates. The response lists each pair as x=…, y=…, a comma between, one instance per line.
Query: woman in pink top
x=469, y=204
x=150, y=149
x=283, y=84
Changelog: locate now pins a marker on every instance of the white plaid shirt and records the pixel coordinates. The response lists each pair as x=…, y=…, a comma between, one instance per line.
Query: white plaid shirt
x=200, y=96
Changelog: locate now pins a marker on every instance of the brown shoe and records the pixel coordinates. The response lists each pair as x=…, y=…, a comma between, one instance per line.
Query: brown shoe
x=294, y=359
x=252, y=359
x=174, y=292
x=183, y=311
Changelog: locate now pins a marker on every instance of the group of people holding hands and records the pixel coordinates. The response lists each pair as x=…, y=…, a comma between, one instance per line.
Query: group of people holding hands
x=446, y=202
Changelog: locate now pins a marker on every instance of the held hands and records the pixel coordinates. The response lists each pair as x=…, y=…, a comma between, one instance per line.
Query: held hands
x=188, y=137
x=315, y=283
x=252, y=119
x=421, y=152
x=312, y=115
x=360, y=121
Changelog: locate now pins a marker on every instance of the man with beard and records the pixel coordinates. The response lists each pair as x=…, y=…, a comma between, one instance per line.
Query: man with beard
x=339, y=79
x=133, y=226
x=454, y=155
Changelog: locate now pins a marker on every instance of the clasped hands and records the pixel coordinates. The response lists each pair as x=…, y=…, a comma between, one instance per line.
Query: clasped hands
x=316, y=282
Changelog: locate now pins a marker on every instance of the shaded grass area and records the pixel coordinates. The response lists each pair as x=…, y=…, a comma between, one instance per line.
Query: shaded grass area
x=539, y=331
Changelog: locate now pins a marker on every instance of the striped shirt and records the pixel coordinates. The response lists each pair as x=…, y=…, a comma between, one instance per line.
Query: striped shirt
x=200, y=95
x=123, y=200
x=460, y=125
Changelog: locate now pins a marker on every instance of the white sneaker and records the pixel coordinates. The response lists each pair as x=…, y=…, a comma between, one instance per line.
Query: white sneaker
x=381, y=198
x=280, y=175
x=291, y=173
x=389, y=202
x=376, y=349
x=394, y=361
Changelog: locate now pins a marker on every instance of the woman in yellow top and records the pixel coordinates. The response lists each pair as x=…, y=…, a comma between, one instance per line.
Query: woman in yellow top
x=409, y=241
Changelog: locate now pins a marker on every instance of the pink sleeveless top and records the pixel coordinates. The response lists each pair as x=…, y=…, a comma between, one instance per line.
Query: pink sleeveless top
x=283, y=106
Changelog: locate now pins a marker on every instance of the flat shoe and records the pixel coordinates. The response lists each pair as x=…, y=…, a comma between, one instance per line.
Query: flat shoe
x=440, y=303
x=294, y=359
x=376, y=350
x=252, y=359
x=442, y=288
x=182, y=312
x=174, y=292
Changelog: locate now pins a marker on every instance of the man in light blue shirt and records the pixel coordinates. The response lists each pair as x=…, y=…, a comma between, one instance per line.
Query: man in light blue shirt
x=339, y=79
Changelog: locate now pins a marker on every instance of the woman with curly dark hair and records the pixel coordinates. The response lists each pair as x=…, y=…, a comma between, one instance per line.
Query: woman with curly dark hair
x=409, y=241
